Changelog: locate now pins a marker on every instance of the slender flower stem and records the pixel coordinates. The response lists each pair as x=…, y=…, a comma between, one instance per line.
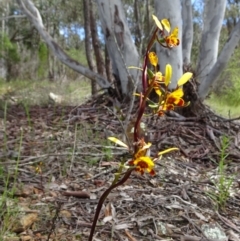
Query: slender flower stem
x=145, y=90
x=103, y=198
x=140, y=161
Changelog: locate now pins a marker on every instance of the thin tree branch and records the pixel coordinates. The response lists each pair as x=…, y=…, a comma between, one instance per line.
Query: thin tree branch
x=35, y=18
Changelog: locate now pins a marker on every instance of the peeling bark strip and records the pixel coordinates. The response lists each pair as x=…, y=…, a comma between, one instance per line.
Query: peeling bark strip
x=118, y=27
x=35, y=18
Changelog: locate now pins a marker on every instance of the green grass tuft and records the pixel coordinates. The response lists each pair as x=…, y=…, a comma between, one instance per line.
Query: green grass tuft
x=37, y=93
x=222, y=107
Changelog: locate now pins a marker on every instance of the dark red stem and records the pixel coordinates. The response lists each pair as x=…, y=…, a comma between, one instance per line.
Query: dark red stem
x=144, y=89
x=103, y=198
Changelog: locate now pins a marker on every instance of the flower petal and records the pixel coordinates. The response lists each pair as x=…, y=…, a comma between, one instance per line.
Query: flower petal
x=157, y=91
x=142, y=152
x=152, y=172
x=147, y=160
x=168, y=74
x=185, y=78
x=168, y=107
x=146, y=146
x=118, y=142
x=172, y=41
x=179, y=102
x=166, y=25
x=167, y=150
x=175, y=32
x=153, y=58
x=159, y=25
x=177, y=93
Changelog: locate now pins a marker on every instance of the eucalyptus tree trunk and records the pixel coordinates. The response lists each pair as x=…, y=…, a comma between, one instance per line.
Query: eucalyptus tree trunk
x=187, y=34
x=222, y=61
x=170, y=10
x=212, y=23
x=121, y=49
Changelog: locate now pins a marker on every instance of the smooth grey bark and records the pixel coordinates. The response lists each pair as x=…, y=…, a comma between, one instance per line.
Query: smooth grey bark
x=35, y=18
x=212, y=23
x=172, y=11
x=187, y=32
x=221, y=63
x=120, y=46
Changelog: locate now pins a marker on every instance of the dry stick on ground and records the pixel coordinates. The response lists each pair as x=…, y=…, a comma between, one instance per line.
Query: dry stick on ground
x=129, y=235
x=228, y=223
x=194, y=225
x=74, y=148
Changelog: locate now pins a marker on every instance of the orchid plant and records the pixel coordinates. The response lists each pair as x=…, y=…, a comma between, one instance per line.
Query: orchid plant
x=152, y=80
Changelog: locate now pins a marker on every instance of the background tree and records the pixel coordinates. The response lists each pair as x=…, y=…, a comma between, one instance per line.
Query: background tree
x=33, y=14
x=187, y=31
x=212, y=23
x=120, y=46
x=125, y=28
x=88, y=45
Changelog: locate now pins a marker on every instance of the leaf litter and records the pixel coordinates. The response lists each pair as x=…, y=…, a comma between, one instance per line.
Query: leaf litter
x=69, y=145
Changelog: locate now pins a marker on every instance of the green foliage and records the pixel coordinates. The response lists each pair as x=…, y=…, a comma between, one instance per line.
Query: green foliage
x=43, y=52
x=231, y=95
x=228, y=86
x=26, y=108
x=30, y=93
x=221, y=107
x=223, y=182
x=108, y=153
x=8, y=50
x=43, y=60
x=8, y=205
x=78, y=54
x=225, y=98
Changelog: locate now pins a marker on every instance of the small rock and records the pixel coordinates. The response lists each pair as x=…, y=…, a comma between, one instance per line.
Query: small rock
x=11, y=238
x=57, y=99
x=24, y=222
x=65, y=214
x=214, y=231
x=26, y=238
